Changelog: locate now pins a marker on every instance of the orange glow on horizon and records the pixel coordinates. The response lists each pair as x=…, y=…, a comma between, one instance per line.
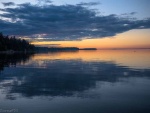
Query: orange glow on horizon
x=131, y=39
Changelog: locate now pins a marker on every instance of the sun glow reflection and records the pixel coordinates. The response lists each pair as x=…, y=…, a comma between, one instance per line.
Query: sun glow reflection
x=138, y=59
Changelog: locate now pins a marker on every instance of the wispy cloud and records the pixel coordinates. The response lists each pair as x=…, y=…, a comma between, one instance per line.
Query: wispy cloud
x=64, y=22
x=88, y=4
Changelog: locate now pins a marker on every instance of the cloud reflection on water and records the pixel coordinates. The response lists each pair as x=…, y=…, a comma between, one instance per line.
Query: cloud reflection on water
x=68, y=73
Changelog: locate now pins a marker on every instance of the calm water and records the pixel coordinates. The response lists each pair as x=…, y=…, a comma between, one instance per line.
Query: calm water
x=76, y=82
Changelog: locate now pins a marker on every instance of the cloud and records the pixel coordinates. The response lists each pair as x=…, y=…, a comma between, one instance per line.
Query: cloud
x=88, y=4
x=64, y=22
x=8, y=3
x=44, y=2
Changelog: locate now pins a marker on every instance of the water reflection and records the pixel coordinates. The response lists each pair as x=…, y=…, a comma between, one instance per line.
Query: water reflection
x=46, y=75
x=7, y=60
x=137, y=59
x=67, y=81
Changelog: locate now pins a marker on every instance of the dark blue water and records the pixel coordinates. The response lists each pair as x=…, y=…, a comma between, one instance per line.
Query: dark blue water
x=76, y=82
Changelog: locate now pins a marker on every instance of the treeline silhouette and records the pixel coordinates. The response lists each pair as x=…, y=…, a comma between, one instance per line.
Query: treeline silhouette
x=11, y=43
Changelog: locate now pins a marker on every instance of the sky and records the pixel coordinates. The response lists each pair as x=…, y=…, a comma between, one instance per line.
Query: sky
x=78, y=23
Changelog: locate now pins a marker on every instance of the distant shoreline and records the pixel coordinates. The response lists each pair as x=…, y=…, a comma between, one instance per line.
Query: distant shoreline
x=58, y=49
x=64, y=49
x=88, y=49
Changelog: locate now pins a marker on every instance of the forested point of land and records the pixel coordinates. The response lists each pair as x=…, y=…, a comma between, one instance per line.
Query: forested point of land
x=11, y=43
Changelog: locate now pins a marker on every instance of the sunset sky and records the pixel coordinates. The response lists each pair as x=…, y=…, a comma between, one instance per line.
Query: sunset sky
x=78, y=23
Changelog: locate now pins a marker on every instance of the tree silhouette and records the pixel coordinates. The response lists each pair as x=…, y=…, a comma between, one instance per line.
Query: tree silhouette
x=12, y=43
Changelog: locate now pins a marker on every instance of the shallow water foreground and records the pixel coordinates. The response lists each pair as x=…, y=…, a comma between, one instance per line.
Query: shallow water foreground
x=110, y=81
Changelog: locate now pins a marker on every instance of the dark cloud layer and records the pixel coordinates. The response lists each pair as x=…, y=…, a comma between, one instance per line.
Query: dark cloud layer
x=64, y=22
x=8, y=3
